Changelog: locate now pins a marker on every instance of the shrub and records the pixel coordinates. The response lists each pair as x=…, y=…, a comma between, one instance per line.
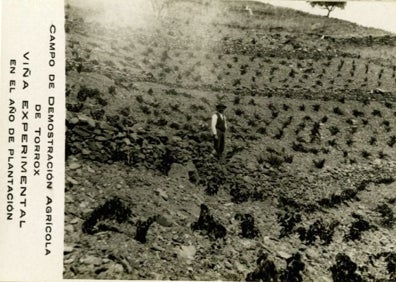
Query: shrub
x=262, y=130
x=332, y=142
x=175, y=107
x=319, y=164
x=86, y=92
x=274, y=114
x=236, y=82
x=274, y=160
x=288, y=159
x=125, y=111
x=252, y=122
x=373, y=141
x=279, y=135
x=272, y=70
x=334, y=130
x=139, y=98
x=392, y=141
x=101, y=101
x=357, y=113
x=365, y=154
x=260, y=158
x=316, y=107
x=382, y=155
x=386, y=212
x=239, y=112
x=344, y=269
x=338, y=111
x=145, y=109
x=112, y=89
x=171, y=92
x=357, y=227
x=376, y=113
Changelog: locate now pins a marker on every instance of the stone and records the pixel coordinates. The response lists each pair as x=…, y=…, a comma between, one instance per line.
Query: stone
x=186, y=252
x=100, y=138
x=82, y=133
x=228, y=265
x=178, y=171
x=67, y=249
x=133, y=136
x=69, y=261
x=162, y=193
x=156, y=247
x=74, y=221
x=73, y=120
x=85, y=151
x=71, y=180
x=239, y=267
x=69, y=228
x=74, y=165
x=87, y=119
x=164, y=220
x=283, y=254
x=127, y=267
x=176, y=139
x=127, y=141
x=377, y=162
x=248, y=179
x=89, y=169
x=251, y=166
x=91, y=260
x=156, y=276
x=184, y=171
x=116, y=268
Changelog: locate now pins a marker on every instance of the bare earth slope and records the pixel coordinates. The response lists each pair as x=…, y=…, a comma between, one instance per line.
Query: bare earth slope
x=306, y=189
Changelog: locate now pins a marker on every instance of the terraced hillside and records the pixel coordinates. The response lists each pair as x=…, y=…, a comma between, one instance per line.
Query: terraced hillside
x=306, y=189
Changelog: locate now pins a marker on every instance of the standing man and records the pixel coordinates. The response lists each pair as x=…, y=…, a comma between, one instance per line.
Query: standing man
x=219, y=126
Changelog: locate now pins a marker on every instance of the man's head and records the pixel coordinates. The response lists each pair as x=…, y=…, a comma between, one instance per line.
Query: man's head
x=220, y=107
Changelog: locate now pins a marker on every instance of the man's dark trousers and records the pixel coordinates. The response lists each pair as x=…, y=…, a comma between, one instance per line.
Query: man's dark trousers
x=219, y=143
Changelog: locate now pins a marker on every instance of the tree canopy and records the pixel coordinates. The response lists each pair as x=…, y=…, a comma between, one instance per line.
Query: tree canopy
x=330, y=6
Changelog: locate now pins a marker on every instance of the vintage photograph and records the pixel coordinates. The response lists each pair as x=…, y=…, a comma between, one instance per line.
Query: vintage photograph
x=229, y=140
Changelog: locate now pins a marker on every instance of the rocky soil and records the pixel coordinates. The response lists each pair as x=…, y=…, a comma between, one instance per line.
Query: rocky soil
x=305, y=191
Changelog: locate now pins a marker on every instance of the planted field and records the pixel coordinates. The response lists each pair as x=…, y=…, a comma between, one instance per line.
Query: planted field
x=306, y=188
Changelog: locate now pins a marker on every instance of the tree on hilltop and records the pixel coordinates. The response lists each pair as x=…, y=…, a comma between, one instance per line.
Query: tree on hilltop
x=330, y=6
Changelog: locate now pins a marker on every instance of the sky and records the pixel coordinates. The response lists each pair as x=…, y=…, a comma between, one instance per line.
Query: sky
x=378, y=14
